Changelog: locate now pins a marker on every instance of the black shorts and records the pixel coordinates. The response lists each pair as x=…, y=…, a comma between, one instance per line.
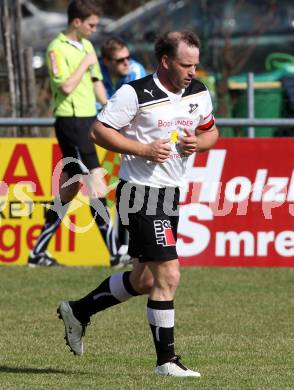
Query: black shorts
x=72, y=136
x=151, y=216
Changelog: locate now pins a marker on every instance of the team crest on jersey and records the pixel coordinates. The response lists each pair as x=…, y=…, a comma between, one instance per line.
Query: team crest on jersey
x=163, y=233
x=193, y=108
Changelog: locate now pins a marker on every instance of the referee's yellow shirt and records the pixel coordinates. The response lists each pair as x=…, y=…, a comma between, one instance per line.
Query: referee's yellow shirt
x=63, y=58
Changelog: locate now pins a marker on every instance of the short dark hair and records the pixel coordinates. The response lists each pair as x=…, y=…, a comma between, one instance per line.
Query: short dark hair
x=110, y=46
x=82, y=9
x=167, y=43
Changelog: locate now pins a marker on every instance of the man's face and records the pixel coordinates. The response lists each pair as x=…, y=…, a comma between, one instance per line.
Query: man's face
x=119, y=65
x=86, y=27
x=181, y=69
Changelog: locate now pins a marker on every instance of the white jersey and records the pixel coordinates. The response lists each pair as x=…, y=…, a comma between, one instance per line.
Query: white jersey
x=144, y=110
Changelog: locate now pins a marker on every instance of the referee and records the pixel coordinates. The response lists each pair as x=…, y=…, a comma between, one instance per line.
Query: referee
x=76, y=83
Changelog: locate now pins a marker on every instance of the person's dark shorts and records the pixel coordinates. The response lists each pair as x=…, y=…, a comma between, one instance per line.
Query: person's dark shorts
x=72, y=136
x=153, y=224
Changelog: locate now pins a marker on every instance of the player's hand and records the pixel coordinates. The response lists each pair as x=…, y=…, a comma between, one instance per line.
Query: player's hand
x=90, y=59
x=189, y=143
x=157, y=151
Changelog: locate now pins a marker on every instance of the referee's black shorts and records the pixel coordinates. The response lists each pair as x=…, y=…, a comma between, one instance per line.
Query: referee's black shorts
x=151, y=216
x=72, y=136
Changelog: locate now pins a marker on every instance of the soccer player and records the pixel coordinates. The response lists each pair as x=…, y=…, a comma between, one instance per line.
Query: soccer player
x=157, y=123
x=76, y=82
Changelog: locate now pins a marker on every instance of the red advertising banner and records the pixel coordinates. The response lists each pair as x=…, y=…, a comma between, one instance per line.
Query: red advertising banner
x=238, y=207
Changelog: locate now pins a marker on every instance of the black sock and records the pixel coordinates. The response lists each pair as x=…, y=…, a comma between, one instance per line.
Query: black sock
x=112, y=291
x=53, y=220
x=103, y=221
x=161, y=317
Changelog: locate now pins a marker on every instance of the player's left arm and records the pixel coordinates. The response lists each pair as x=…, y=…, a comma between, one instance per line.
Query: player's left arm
x=200, y=141
x=206, y=139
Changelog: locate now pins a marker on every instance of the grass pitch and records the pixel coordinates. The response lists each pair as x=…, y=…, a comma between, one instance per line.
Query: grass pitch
x=233, y=325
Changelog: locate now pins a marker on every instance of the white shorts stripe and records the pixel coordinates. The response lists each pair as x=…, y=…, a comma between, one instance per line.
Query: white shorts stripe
x=83, y=167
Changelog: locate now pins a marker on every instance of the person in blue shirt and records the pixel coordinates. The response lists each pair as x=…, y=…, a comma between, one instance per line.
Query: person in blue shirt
x=117, y=66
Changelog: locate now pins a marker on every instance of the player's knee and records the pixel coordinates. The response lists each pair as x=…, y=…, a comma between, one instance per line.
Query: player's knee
x=69, y=193
x=173, y=278
x=169, y=282
x=147, y=283
x=143, y=284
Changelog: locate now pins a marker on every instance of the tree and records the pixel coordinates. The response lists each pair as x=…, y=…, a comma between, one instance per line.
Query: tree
x=21, y=78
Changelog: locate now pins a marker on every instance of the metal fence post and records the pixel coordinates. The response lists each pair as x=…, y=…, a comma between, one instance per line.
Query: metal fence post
x=250, y=102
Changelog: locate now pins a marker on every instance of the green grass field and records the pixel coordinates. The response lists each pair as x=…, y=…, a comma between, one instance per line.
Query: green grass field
x=234, y=325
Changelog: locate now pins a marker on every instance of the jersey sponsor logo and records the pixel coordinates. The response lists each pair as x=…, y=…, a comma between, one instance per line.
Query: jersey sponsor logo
x=163, y=233
x=177, y=122
x=150, y=92
x=193, y=108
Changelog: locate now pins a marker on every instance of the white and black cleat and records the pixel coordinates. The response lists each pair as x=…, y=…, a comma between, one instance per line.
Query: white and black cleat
x=43, y=259
x=175, y=368
x=74, y=330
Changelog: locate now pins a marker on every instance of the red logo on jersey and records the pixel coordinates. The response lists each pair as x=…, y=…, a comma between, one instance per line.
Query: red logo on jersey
x=163, y=233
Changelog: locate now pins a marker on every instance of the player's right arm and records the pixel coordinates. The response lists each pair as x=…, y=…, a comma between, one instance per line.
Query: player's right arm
x=119, y=112
x=110, y=139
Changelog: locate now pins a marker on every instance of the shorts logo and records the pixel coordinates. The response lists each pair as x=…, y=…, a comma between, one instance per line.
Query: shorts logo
x=163, y=233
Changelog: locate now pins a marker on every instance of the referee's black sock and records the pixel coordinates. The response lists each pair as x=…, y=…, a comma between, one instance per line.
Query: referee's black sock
x=53, y=220
x=103, y=221
x=161, y=317
x=112, y=291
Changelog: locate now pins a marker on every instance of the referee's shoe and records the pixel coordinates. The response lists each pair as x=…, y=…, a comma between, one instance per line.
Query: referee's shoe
x=122, y=258
x=74, y=329
x=43, y=259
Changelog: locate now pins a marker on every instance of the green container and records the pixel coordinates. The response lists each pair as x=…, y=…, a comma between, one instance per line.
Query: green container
x=268, y=94
x=267, y=104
